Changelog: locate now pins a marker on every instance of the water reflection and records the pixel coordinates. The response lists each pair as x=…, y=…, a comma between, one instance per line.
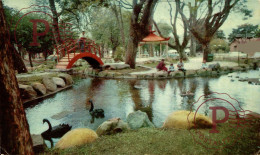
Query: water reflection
x=118, y=98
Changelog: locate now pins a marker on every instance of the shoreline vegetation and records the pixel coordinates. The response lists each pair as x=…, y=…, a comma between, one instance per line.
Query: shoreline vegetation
x=169, y=141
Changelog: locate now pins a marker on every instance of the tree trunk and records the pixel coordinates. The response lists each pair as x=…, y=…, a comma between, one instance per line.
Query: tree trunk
x=18, y=61
x=55, y=22
x=14, y=129
x=193, y=46
x=131, y=52
x=30, y=59
x=141, y=19
x=206, y=51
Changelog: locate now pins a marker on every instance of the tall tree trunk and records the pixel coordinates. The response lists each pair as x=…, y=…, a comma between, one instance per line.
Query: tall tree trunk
x=14, y=129
x=131, y=52
x=55, y=22
x=206, y=51
x=120, y=23
x=193, y=46
x=141, y=19
x=18, y=61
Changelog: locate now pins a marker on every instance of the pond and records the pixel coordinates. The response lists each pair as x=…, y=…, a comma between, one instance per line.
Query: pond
x=118, y=98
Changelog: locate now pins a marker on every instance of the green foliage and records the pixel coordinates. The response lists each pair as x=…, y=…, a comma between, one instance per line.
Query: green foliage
x=220, y=34
x=119, y=54
x=219, y=46
x=244, y=31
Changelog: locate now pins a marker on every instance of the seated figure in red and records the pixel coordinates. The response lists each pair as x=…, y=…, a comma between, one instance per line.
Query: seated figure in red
x=161, y=66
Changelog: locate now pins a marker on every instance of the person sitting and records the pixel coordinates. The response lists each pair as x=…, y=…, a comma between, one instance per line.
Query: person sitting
x=161, y=66
x=204, y=65
x=180, y=66
x=171, y=68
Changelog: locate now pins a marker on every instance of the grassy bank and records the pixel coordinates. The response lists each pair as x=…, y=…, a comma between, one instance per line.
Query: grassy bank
x=171, y=141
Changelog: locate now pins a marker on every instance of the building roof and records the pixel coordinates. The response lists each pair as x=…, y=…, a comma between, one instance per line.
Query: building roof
x=154, y=38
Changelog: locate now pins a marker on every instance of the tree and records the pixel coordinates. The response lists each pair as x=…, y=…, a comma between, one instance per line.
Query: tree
x=105, y=30
x=215, y=15
x=14, y=129
x=220, y=34
x=178, y=45
x=141, y=19
x=244, y=31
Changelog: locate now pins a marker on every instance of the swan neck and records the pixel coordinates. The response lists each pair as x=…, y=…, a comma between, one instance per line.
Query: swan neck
x=91, y=107
x=50, y=127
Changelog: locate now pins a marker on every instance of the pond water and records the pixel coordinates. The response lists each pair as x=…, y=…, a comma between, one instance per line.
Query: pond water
x=118, y=98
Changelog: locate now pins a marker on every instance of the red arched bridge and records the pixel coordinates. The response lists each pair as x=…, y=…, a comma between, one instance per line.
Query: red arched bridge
x=72, y=50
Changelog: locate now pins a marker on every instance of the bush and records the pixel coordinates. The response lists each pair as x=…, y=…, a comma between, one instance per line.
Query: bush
x=218, y=46
x=119, y=54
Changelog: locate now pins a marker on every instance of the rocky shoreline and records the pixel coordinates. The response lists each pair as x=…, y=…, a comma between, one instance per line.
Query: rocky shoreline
x=114, y=73
x=40, y=85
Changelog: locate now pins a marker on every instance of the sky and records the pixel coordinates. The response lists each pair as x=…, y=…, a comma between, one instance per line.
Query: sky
x=162, y=14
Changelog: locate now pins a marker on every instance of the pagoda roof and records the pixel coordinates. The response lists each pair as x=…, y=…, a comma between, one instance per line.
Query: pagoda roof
x=154, y=38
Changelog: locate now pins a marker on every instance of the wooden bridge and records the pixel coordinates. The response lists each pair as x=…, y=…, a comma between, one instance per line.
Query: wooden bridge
x=72, y=50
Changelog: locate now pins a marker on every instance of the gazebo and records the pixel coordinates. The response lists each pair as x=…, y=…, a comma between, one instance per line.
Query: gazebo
x=151, y=39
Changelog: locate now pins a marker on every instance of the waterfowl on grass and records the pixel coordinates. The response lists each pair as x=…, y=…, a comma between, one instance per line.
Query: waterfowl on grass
x=97, y=113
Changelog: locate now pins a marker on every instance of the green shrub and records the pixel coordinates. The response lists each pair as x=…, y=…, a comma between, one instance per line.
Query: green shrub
x=119, y=54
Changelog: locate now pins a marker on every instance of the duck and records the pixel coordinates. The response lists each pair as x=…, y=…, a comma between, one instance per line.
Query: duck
x=97, y=113
x=54, y=132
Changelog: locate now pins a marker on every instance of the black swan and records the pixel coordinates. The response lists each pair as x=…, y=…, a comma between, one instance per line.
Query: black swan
x=97, y=113
x=54, y=132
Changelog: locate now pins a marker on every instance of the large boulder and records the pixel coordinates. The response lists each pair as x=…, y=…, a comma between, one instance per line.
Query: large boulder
x=191, y=73
x=27, y=91
x=177, y=74
x=59, y=82
x=179, y=120
x=39, y=88
x=76, y=137
x=160, y=74
x=119, y=66
x=138, y=120
x=203, y=72
x=67, y=78
x=112, y=126
x=38, y=143
x=103, y=73
x=49, y=84
x=214, y=67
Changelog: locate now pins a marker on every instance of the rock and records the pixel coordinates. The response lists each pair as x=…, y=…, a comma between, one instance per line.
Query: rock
x=49, y=84
x=119, y=66
x=76, y=137
x=214, y=67
x=203, y=72
x=59, y=82
x=177, y=74
x=103, y=73
x=191, y=73
x=38, y=143
x=179, y=120
x=112, y=126
x=39, y=88
x=67, y=78
x=138, y=120
x=27, y=91
x=160, y=74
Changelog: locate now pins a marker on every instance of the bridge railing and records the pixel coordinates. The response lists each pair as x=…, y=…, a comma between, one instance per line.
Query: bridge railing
x=72, y=46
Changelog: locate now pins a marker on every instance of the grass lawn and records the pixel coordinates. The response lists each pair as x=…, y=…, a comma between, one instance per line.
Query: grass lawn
x=170, y=141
